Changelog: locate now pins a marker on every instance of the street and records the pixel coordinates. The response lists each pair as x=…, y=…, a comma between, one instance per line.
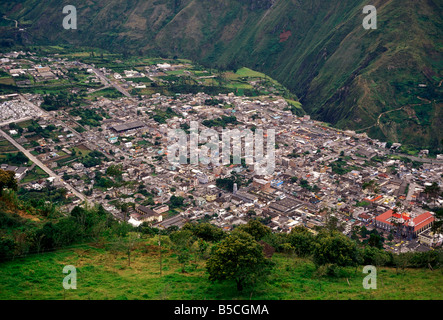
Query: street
x=41, y=165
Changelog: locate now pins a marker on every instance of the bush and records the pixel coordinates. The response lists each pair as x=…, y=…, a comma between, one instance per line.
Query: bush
x=335, y=248
x=255, y=228
x=302, y=241
x=205, y=231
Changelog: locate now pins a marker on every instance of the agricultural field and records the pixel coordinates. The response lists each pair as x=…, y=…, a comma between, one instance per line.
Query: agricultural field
x=110, y=93
x=35, y=174
x=6, y=146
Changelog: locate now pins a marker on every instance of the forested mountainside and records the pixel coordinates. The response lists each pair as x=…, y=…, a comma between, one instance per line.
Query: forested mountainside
x=386, y=82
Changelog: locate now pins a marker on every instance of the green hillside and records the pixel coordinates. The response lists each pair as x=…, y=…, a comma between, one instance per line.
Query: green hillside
x=104, y=274
x=117, y=261
x=342, y=73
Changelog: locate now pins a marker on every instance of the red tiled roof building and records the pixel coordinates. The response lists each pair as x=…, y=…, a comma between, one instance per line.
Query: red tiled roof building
x=404, y=223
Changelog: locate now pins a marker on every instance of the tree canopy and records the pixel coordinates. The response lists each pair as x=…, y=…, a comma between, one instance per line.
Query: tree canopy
x=335, y=248
x=240, y=258
x=255, y=228
x=7, y=180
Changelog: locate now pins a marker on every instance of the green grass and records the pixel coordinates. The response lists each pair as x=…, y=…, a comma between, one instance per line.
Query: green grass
x=246, y=72
x=237, y=85
x=103, y=274
x=6, y=146
x=25, y=124
x=110, y=93
x=35, y=174
x=175, y=72
x=7, y=81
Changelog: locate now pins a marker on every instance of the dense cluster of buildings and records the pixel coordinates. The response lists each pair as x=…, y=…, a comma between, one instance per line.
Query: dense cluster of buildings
x=319, y=173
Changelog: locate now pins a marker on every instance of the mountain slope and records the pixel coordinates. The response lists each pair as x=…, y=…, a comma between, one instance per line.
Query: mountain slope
x=343, y=74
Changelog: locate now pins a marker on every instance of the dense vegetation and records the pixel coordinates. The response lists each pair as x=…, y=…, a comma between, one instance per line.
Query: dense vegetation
x=90, y=117
x=161, y=116
x=223, y=121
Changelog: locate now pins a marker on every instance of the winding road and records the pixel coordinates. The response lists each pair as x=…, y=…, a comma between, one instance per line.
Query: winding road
x=16, y=22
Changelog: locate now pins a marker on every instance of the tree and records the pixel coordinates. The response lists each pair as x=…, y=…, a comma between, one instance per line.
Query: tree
x=376, y=257
x=182, y=242
x=255, y=228
x=432, y=191
x=126, y=244
x=304, y=184
x=205, y=231
x=332, y=223
x=6, y=249
x=115, y=170
x=375, y=240
x=302, y=240
x=438, y=224
x=251, y=212
x=279, y=241
x=335, y=248
x=7, y=180
x=363, y=232
x=240, y=258
x=176, y=202
x=202, y=247
x=371, y=185
x=401, y=261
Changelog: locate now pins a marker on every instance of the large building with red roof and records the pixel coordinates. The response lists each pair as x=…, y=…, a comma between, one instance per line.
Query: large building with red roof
x=406, y=224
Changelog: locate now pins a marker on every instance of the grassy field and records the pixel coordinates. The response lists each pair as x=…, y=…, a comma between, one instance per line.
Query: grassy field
x=7, y=80
x=110, y=93
x=105, y=274
x=6, y=146
x=246, y=72
x=35, y=174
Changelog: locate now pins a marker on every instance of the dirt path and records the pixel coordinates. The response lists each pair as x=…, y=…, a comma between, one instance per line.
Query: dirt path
x=389, y=111
x=16, y=22
x=379, y=117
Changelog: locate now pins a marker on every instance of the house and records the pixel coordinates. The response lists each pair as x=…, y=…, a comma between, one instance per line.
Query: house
x=177, y=220
x=211, y=197
x=20, y=172
x=405, y=223
x=368, y=153
x=161, y=209
x=145, y=214
x=246, y=197
x=364, y=217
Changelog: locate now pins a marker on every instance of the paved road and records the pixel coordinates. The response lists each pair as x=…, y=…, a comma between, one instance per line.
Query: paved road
x=411, y=191
x=78, y=135
x=15, y=120
x=107, y=82
x=41, y=165
x=418, y=159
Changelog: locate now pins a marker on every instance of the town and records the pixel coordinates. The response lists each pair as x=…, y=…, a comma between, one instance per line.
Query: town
x=108, y=144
